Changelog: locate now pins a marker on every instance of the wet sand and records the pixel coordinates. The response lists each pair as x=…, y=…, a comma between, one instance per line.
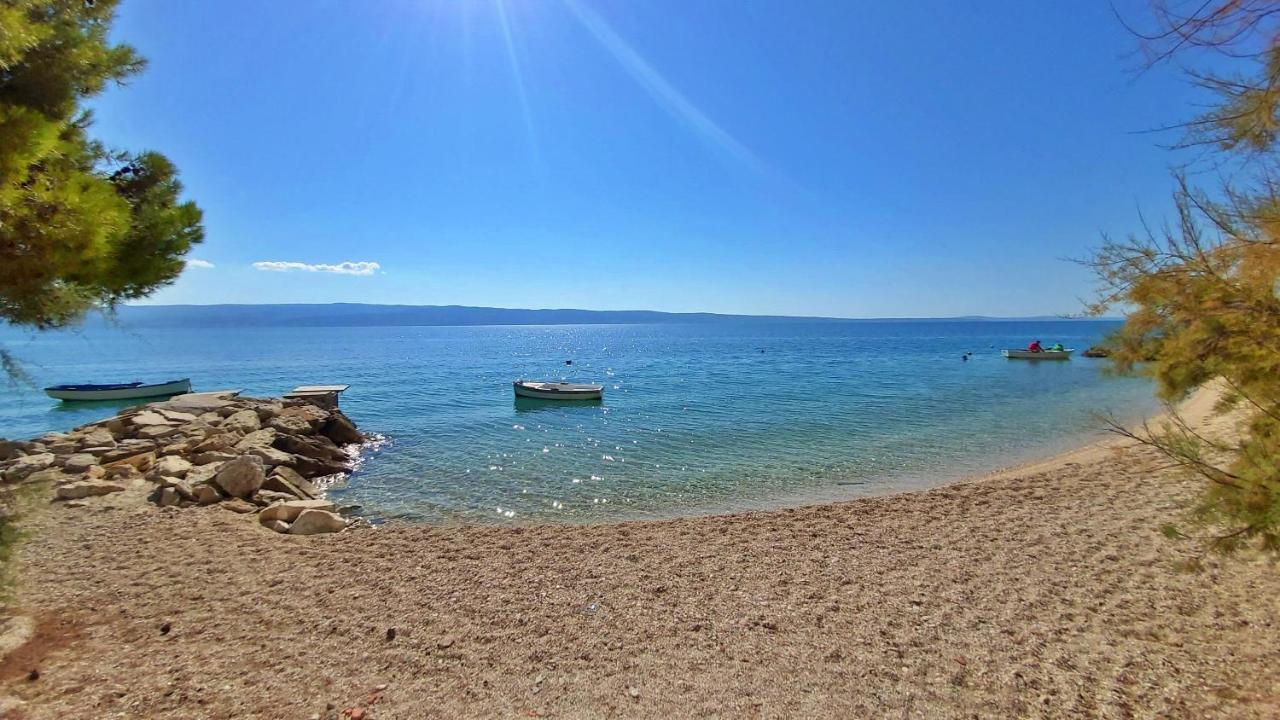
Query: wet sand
x=1043, y=591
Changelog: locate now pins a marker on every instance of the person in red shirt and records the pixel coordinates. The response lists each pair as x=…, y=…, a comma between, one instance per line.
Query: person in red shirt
x=1035, y=346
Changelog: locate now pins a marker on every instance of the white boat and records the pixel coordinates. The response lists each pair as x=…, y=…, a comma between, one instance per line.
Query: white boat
x=557, y=390
x=122, y=391
x=1064, y=354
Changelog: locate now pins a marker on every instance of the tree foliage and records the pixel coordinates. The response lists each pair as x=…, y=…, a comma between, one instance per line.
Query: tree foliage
x=1203, y=290
x=80, y=226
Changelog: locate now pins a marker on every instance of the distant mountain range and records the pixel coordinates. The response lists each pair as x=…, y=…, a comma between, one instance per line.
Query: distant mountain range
x=353, y=314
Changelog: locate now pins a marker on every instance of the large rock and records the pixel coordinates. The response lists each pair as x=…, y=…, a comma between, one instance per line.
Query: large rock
x=272, y=457
x=168, y=497
x=313, y=468
x=285, y=480
x=267, y=411
x=97, y=437
x=157, y=432
x=245, y=421
x=28, y=464
x=289, y=511
x=62, y=447
x=279, y=526
x=177, y=416
x=205, y=472
x=319, y=447
x=206, y=494
x=266, y=497
x=10, y=449
x=142, y=462
x=257, y=438
x=314, y=416
x=172, y=466
x=216, y=443
x=199, y=402
x=341, y=430
x=317, y=522
x=127, y=449
x=292, y=424
x=88, y=488
x=151, y=417
x=205, y=458
x=241, y=477
x=79, y=462
x=182, y=487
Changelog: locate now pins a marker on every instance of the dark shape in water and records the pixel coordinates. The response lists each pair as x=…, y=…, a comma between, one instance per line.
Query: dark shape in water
x=523, y=404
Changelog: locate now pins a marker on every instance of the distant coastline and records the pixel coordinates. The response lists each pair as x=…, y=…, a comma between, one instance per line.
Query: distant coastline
x=356, y=314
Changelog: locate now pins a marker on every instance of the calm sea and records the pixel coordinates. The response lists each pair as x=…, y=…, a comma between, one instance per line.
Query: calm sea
x=697, y=418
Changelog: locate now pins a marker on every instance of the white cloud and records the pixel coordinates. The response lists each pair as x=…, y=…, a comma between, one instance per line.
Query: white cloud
x=199, y=263
x=343, y=268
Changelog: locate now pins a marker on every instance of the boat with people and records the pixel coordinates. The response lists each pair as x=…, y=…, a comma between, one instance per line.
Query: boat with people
x=1063, y=354
x=1036, y=351
x=541, y=390
x=119, y=391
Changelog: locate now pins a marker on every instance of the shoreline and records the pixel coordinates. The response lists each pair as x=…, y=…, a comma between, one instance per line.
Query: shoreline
x=1042, y=590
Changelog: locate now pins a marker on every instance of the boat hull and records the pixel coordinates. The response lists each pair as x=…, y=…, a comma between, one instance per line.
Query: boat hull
x=557, y=391
x=118, y=392
x=1042, y=355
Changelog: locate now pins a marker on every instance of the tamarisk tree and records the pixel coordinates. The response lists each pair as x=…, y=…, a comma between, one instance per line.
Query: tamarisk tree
x=1202, y=290
x=81, y=226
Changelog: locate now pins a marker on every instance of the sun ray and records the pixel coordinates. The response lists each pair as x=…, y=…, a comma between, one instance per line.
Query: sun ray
x=662, y=91
x=517, y=75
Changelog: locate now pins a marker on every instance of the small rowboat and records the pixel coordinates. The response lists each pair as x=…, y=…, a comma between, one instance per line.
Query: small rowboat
x=1042, y=355
x=123, y=391
x=557, y=391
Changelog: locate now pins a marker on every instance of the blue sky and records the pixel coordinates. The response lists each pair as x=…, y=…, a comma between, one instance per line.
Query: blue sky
x=826, y=158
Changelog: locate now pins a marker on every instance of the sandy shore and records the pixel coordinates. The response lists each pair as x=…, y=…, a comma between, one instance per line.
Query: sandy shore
x=1045, y=591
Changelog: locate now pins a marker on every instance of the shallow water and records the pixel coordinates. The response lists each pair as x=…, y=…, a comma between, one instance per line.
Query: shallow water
x=696, y=418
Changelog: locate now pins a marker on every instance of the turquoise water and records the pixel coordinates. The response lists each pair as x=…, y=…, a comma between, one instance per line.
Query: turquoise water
x=697, y=418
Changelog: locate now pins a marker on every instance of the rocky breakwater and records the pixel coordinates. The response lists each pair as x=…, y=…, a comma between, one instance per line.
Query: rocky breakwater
x=262, y=457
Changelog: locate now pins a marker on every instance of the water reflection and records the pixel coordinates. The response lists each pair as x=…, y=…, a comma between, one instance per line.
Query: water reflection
x=524, y=405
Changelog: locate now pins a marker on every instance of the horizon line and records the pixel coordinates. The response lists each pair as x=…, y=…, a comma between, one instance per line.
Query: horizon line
x=1042, y=317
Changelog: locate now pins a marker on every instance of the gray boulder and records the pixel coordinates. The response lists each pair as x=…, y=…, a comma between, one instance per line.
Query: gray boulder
x=156, y=432
x=206, y=494
x=168, y=497
x=28, y=464
x=271, y=457
x=245, y=421
x=317, y=522
x=216, y=443
x=87, y=488
x=241, y=477
x=10, y=449
x=341, y=430
x=291, y=425
x=172, y=466
x=289, y=511
x=79, y=463
x=212, y=456
x=285, y=480
x=97, y=437
x=257, y=438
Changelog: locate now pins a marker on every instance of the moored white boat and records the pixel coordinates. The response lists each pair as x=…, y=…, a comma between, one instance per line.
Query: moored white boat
x=121, y=391
x=557, y=391
x=1042, y=355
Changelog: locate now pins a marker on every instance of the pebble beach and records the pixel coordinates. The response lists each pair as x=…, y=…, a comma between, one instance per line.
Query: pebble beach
x=1046, y=590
